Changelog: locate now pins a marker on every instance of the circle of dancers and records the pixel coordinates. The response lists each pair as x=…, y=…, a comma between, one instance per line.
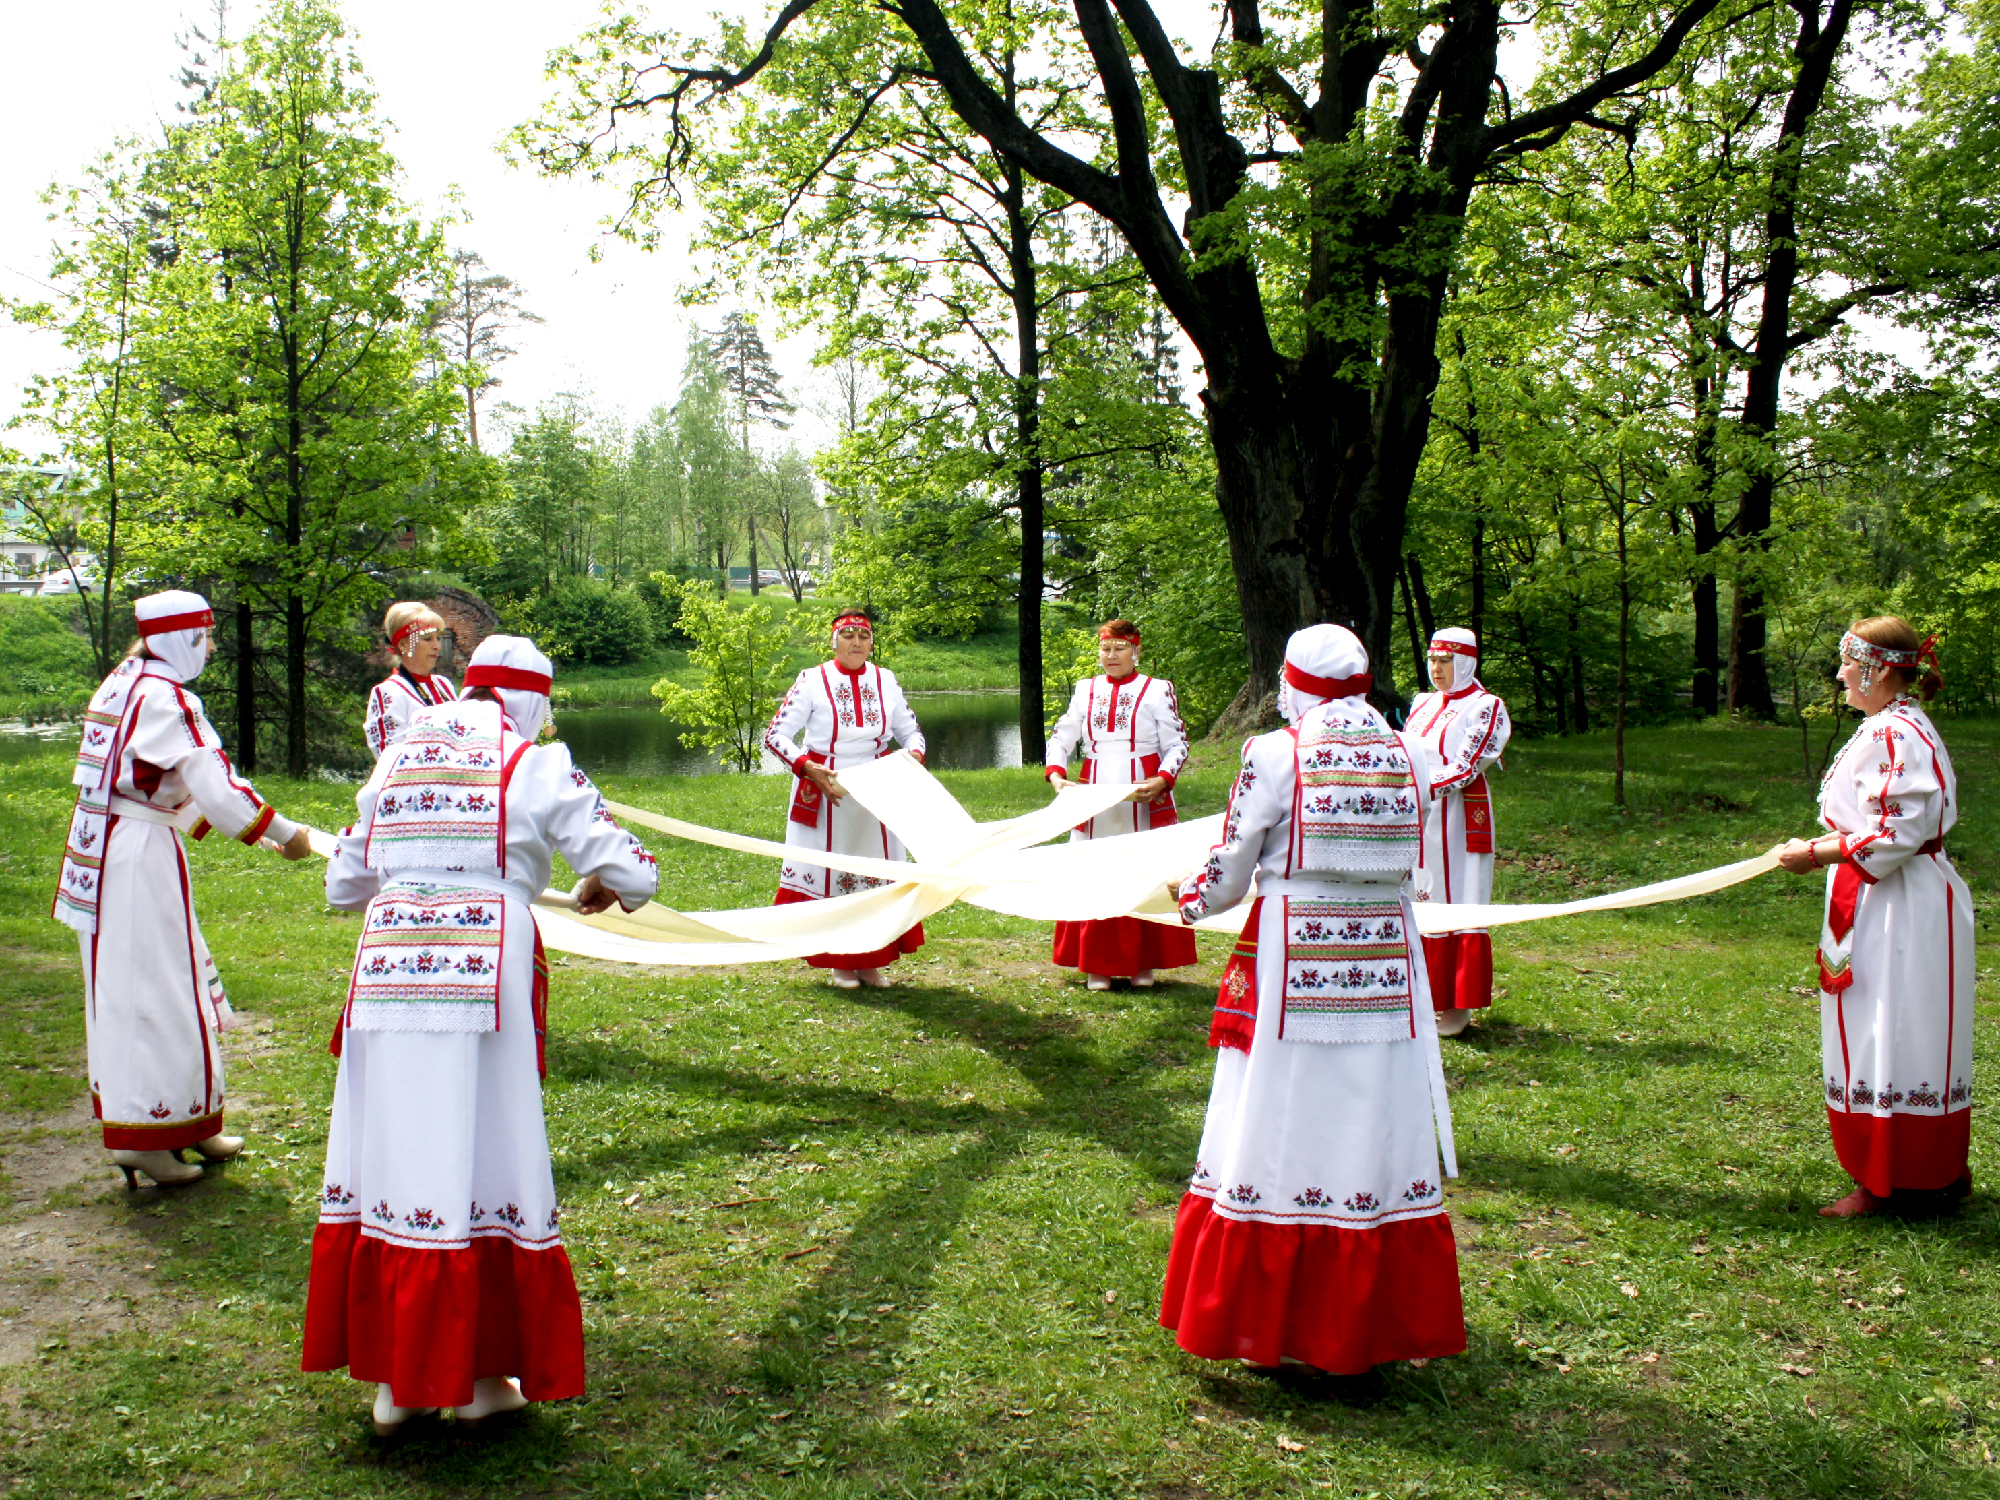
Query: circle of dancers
x=1313, y=1230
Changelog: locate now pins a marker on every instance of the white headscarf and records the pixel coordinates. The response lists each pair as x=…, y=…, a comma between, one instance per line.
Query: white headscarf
x=1464, y=647
x=1329, y=653
x=519, y=674
x=174, y=625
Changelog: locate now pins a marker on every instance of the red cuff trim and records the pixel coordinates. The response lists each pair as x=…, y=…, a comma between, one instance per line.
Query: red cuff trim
x=1168, y=777
x=1847, y=853
x=919, y=756
x=1049, y=773
x=256, y=829
x=201, y=830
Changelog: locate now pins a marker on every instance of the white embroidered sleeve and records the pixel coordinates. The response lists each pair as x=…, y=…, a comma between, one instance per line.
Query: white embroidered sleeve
x=172, y=731
x=787, y=723
x=1173, y=733
x=377, y=729
x=1260, y=800
x=1068, y=730
x=1896, y=783
x=350, y=884
x=584, y=832
x=1469, y=747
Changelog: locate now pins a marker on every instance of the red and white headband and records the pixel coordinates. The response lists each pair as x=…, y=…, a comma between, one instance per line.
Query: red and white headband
x=1456, y=648
x=1328, y=687
x=194, y=619
x=1119, y=635
x=409, y=628
x=490, y=674
x=854, y=622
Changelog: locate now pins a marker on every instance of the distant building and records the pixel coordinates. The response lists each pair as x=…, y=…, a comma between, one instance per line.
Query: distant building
x=28, y=564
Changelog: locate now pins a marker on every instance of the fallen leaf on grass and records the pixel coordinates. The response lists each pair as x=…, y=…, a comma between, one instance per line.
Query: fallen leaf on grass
x=1792, y=1369
x=1650, y=1357
x=796, y=1254
x=1628, y=1289
x=1289, y=1446
x=631, y=1200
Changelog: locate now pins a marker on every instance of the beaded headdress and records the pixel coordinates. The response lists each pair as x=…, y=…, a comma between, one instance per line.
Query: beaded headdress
x=1873, y=658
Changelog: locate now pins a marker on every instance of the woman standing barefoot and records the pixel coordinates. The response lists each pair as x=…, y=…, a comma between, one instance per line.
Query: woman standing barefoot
x=1896, y=948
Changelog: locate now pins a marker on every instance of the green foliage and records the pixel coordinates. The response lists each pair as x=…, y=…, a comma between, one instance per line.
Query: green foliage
x=47, y=669
x=586, y=623
x=740, y=652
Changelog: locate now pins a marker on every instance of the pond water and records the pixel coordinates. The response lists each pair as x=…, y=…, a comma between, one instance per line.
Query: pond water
x=962, y=731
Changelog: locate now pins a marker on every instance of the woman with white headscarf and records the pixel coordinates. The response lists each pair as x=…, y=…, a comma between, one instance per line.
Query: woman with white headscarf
x=1313, y=1231
x=438, y=1271
x=150, y=769
x=1463, y=729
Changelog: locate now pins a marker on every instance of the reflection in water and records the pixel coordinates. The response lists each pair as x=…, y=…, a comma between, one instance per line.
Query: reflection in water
x=963, y=732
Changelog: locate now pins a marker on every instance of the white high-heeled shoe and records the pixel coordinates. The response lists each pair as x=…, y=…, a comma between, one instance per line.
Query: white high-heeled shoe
x=844, y=979
x=165, y=1168
x=875, y=979
x=1096, y=982
x=492, y=1396
x=220, y=1147
x=1453, y=1022
x=389, y=1418
x=1143, y=980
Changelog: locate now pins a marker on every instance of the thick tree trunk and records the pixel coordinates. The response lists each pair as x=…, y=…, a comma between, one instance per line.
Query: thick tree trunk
x=1426, y=612
x=1029, y=503
x=1707, y=617
x=1410, y=623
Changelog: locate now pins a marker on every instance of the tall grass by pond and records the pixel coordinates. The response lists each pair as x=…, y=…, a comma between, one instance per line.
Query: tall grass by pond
x=910, y=1242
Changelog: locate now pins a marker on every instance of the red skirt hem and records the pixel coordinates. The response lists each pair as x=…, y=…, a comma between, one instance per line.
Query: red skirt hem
x=1342, y=1300
x=430, y=1322
x=1119, y=947
x=1460, y=965
x=1887, y=1152
x=162, y=1137
x=880, y=958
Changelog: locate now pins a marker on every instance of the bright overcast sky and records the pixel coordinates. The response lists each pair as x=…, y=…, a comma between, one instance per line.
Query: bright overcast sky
x=452, y=76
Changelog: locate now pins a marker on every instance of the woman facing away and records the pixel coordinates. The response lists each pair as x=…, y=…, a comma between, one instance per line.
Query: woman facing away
x=1130, y=731
x=1313, y=1230
x=415, y=633
x=438, y=1269
x=839, y=714
x=150, y=769
x=1896, y=959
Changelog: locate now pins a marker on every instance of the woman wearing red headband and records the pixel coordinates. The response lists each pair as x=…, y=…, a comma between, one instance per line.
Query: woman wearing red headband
x=415, y=633
x=1896, y=959
x=1131, y=732
x=848, y=711
x=438, y=1268
x=1463, y=729
x=150, y=768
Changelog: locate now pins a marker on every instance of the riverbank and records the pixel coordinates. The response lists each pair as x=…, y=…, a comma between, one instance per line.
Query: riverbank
x=910, y=1241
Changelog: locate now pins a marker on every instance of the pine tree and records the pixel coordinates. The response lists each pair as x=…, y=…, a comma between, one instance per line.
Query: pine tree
x=755, y=396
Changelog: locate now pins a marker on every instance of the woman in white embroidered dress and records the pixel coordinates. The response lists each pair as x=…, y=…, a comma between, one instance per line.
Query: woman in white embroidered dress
x=151, y=768
x=438, y=1270
x=1463, y=729
x=1314, y=1228
x=848, y=711
x=1130, y=730
x=415, y=633
x=1896, y=955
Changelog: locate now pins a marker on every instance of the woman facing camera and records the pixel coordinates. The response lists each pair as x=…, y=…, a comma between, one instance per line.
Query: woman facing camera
x=1129, y=728
x=848, y=711
x=415, y=633
x=1896, y=957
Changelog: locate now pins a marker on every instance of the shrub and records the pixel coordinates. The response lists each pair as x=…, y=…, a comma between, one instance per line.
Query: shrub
x=587, y=624
x=47, y=669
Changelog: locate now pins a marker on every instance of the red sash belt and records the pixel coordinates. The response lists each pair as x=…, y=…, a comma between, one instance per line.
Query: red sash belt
x=806, y=796
x=1478, y=818
x=1935, y=846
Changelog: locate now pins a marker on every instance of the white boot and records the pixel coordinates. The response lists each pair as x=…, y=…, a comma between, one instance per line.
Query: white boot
x=220, y=1147
x=844, y=979
x=1453, y=1022
x=1143, y=980
x=1096, y=982
x=389, y=1417
x=165, y=1168
x=492, y=1396
x=875, y=979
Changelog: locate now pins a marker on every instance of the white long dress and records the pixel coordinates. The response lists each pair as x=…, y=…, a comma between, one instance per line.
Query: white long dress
x=153, y=1001
x=1129, y=730
x=1314, y=1226
x=1897, y=963
x=839, y=719
x=393, y=700
x=438, y=1258
x=1463, y=733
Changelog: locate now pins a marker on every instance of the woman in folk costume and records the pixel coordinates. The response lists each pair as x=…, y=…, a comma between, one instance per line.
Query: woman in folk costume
x=849, y=711
x=1896, y=957
x=1314, y=1228
x=437, y=1269
x=1463, y=729
x=1131, y=732
x=415, y=633
x=150, y=768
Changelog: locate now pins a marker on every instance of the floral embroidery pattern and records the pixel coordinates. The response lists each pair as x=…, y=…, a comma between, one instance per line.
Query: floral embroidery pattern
x=1420, y=1191
x=1961, y=1092
x=423, y=1218
x=1201, y=1172
x=1361, y=1203
x=382, y=1213
x=335, y=1195
x=1244, y=1194
x=1313, y=1197
x=510, y=1215
x=1923, y=1096
x=160, y=1111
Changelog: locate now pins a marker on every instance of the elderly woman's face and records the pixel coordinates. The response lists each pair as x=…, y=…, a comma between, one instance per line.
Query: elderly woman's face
x=1444, y=670
x=421, y=646
x=851, y=645
x=1118, y=657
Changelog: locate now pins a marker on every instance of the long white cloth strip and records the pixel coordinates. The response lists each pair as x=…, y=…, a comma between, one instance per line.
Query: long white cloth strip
x=990, y=865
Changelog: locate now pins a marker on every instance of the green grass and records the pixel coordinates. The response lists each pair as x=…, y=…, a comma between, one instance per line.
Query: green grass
x=910, y=1243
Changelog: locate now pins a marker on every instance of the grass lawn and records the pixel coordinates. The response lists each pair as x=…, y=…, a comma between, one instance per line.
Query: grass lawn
x=910, y=1243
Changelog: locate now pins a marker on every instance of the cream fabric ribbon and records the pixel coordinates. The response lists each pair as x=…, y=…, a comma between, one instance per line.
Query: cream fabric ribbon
x=990, y=865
